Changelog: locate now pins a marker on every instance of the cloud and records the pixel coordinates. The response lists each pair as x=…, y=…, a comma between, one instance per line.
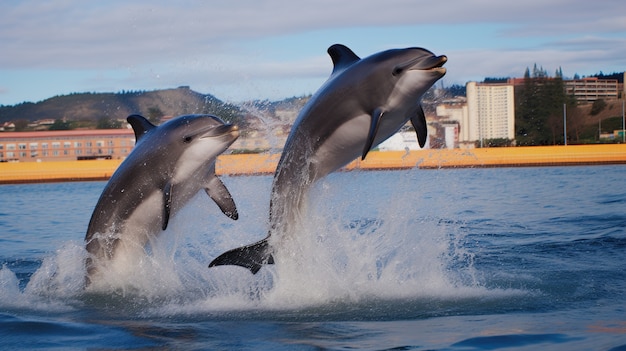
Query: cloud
x=73, y=33
x=468, y=65
x=149, y=44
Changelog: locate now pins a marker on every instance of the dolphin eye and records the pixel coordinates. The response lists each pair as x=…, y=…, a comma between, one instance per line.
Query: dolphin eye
x=187, y=139
x=396, y=70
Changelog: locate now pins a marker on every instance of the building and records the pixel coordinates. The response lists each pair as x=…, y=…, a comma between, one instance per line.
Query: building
x=65, y=145
x=454, y=124
x=587, y=90
x=590, y=89
x=490, y=112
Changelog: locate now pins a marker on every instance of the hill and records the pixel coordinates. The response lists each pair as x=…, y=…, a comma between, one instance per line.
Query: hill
x=88, y=108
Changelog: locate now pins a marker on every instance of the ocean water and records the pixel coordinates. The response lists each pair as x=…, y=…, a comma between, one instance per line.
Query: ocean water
x=466, y=259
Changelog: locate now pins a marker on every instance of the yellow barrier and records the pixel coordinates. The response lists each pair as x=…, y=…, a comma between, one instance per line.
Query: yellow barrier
x=247, y=164
x=498, y=157
x=58, y=171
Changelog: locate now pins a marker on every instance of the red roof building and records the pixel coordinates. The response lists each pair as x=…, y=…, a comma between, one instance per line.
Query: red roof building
x=65, y=145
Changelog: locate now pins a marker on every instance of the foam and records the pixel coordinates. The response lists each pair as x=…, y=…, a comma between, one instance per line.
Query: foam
x=348, y=253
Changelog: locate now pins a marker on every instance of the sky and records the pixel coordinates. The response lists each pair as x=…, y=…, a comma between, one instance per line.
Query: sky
x=239, y=50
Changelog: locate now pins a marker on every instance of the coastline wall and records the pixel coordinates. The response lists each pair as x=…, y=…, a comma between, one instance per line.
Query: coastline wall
x=254, y=164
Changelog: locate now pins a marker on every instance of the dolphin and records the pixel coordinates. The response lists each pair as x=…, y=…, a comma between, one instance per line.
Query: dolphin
x=363, y=102
x=167, y=167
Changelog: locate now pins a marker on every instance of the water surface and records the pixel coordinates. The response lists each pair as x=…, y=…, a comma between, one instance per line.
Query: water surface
x=469, y=259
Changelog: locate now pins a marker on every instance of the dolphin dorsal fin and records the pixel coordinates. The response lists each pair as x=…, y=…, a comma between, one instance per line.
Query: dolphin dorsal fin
x=140, y=125
x=342, y=57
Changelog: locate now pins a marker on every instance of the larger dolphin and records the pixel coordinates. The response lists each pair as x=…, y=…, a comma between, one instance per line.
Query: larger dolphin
x=364, y=102
x=168, y=165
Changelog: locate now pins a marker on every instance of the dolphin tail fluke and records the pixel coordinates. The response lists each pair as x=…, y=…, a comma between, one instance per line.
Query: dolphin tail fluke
x=252, y=257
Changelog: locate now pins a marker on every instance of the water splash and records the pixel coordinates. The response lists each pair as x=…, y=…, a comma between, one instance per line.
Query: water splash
x=364, y=248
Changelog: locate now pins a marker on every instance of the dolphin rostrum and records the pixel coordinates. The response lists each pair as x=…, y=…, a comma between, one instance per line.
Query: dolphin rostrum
x=363, y=102
x=167, y=167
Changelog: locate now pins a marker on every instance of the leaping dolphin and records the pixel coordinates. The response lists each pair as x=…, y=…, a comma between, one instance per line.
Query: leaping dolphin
x=167, y=167
x=363, y=102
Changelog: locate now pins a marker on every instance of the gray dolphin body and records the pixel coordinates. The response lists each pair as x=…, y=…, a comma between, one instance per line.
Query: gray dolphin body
x=364, y=102
x=167, y=167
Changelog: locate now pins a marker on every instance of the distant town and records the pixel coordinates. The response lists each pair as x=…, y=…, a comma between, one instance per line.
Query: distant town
x=536, y=109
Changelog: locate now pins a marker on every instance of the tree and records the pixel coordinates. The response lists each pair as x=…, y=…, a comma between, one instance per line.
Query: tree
x=60, y=124
x=108, y=123
x=597, y=107
x=559, y=73
x=456, y=90
x=539, y=109
x=21, y=125
x=155, y=114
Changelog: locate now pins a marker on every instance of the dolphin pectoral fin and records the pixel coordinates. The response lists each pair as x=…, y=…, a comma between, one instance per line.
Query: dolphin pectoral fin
x=167, y=204
x=220, y=194
x=376, y=115
x=252, y=257
x=140, y=125
x=418, y=121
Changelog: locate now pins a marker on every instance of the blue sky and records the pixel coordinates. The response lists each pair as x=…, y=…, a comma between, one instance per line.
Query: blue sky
x=271, y=49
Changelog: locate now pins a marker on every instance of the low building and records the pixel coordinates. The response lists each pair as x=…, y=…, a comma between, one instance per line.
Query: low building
x=586, y=90
x=455, y=123
x=590, y=89
x=65, y=145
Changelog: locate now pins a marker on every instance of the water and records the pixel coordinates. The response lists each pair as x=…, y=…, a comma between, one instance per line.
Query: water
x=469, y=259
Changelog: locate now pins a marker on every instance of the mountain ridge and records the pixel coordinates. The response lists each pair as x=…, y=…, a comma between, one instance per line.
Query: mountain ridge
x=116, y=106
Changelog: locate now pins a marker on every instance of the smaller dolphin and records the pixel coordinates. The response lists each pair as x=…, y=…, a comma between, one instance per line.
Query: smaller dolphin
x=363, y=102
x=167, y=167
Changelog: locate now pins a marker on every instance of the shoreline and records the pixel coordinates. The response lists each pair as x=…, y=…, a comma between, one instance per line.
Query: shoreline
x=264, y=164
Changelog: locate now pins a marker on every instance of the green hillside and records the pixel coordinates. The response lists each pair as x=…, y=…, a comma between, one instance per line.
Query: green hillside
x=88, y=108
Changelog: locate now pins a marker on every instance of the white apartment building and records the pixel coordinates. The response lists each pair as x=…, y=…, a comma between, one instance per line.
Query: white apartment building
x=490, y=112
